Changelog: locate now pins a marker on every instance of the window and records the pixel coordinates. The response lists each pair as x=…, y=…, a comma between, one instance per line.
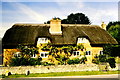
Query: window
x=101, y=52
x=44, y=54
x=76, y=53
x=82, y=40
x=34, y=55
x=42, y=40
x=17, y=54
x=88, y=52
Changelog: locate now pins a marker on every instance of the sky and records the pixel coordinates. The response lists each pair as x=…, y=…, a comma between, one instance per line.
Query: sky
x=38, y=12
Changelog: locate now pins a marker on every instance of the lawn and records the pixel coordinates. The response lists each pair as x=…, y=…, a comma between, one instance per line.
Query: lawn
x=63, y=74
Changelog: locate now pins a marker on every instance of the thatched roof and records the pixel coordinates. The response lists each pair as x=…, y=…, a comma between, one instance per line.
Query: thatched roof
x=27, y=34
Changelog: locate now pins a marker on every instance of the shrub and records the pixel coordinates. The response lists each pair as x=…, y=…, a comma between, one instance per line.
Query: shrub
x=102, y=58
x=47, y=64
x=95, y=60
x=74, y=61
x=112, y=62
x=83, y=59
x=24, y=61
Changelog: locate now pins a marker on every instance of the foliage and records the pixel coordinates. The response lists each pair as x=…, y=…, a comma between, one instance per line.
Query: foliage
x=112, y=50
x=100, y=59
x=96, y=61
x=45, y=48
x=24, y=61
x=112, y=23
x=62, y=59
x=27, y=51
x=112, y=62
x=80, y=47
x=114, y=29
x=74, y=61
x=78, y=18
x=67, y=49
x=103, y=58
x=47, y=64
x=83, y=59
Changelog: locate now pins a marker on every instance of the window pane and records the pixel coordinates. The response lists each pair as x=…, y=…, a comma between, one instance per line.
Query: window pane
x=46, y=55
x=77, y=53
x=42, y=55
x=18, y=55
x=74, y=53
x=89, y=52
x=101, y=52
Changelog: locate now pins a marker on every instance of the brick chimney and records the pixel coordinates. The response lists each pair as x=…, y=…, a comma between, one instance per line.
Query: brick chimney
x=103, y=25
x=55, y=27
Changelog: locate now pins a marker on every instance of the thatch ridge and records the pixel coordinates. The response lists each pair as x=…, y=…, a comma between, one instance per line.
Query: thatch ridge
x=27, y=34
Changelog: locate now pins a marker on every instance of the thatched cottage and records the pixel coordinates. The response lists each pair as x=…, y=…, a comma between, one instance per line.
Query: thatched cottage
x=92, y=37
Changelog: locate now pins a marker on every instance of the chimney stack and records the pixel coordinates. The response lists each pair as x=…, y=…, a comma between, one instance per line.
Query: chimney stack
x=103, y=25
x=55, y=27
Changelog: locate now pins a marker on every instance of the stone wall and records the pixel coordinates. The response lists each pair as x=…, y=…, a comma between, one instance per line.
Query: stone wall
x=48, y=69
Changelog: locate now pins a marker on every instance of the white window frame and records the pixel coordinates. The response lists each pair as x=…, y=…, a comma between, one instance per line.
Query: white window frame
x=17, y=54
x=82, y=40
x=76, y=53
x=101, y=52
x=42, y=40
x=87, y=53
x=44, y=53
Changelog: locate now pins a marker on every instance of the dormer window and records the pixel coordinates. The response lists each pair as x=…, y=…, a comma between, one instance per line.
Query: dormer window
x=42, y=40
x=82, y=40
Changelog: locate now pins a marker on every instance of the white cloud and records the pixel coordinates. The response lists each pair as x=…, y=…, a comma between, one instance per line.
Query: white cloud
x=29, y=12
x=98, y=16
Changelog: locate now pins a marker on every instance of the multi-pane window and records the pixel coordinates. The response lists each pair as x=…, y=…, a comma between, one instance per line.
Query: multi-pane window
x=34, y=55
x=82, y=40
x=44, y=54
x=42, y=40
x=76, y=53
x=101, y=52
x=88, y=52
x=17, y=54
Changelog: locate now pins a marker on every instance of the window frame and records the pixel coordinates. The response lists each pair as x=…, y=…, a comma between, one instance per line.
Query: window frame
x=76, y=53
x=18, y=54
x=42, y=40
x=101, y=51
x=44, y=54
x=82, y=40
x=34, y=55
x=88, y=53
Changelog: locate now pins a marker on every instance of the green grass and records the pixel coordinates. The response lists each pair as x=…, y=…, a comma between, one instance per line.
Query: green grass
x=63, y=74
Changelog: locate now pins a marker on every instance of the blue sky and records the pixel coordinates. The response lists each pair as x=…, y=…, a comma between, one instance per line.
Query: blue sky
x=40, y=12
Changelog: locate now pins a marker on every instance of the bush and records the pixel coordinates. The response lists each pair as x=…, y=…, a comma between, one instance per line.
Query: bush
x=74, y=61
x=112, y=62
x=95, y=60
x=24, y=62
x=83, y=59
x=47, y=64
x=102, y=58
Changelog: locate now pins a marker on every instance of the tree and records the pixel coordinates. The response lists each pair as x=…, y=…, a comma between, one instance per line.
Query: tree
x=114, y=29
x=78, y=18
